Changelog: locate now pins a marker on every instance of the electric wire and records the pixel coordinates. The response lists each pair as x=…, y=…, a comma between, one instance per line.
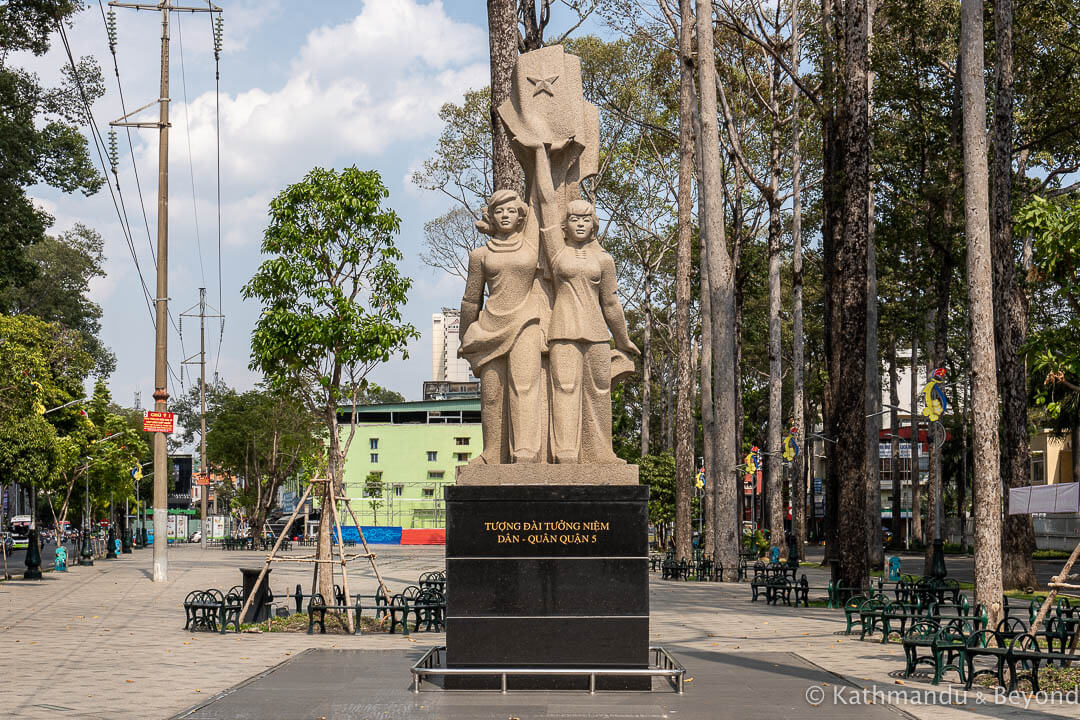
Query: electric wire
x=216, y=35
x=98, y=145
x=191, y=164
x=118, y=205
x=131, y=147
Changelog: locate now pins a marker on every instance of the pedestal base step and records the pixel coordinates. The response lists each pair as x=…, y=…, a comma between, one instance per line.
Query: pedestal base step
x=504, y=679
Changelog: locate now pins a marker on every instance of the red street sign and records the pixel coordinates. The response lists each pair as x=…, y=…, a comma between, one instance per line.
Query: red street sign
x=202, y=479
x=157, y=421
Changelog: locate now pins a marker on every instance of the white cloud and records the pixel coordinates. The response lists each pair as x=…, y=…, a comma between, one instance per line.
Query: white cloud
x=244, y=18
x=364, y=91
x=353, y=90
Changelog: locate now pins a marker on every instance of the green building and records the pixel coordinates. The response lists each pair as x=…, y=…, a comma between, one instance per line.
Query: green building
x=414, y=448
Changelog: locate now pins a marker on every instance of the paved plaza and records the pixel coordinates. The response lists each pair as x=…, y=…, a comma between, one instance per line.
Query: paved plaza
x=105, y=642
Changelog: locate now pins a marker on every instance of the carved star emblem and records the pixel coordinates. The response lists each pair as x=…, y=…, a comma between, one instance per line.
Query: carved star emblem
x=543, y=85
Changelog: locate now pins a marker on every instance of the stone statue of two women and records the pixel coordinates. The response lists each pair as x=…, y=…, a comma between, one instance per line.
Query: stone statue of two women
x=540, y=307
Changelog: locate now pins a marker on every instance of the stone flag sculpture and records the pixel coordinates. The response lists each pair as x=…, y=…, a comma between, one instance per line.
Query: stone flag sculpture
x=540, y=307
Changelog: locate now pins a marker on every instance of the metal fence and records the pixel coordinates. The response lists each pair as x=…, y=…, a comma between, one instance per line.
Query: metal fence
x=1056, y=532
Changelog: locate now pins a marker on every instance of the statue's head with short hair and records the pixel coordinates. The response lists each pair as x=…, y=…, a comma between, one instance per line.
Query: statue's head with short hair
x=504, y=214
x=576, y=211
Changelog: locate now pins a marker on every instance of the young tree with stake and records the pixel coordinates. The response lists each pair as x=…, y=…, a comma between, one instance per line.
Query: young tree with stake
x=331, y=294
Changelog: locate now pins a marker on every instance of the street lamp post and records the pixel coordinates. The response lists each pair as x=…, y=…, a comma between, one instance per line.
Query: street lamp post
x=110, y=551
x=86, y=557
x=33, y=549
x=125, y=541
x=33, y=543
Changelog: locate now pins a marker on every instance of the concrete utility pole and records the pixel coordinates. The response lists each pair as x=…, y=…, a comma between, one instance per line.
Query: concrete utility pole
x=161, y=301
x=203, y=467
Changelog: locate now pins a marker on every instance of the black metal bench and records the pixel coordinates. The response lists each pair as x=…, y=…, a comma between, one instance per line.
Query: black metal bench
x=213, y=610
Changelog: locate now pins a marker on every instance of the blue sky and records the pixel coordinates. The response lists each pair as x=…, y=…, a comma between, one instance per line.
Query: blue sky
x=302, y=84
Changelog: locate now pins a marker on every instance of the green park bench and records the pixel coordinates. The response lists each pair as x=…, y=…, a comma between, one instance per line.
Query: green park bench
x=946, y=645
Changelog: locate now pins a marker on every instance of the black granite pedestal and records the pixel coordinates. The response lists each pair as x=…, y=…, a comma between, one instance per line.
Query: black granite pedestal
x=547, y=577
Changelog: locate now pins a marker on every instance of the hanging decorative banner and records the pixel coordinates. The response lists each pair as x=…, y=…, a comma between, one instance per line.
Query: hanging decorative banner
x=791, y=444
x=934, y=396
x=701, y=479
x=157, y=421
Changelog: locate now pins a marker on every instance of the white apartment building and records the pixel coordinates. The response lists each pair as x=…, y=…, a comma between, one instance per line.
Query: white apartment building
x=446, y=366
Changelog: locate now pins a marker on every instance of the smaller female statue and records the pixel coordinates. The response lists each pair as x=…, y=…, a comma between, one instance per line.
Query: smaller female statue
x=586, y=316
x=501, y=337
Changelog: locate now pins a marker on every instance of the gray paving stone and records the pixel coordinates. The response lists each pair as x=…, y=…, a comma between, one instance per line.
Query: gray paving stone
x=56, y=652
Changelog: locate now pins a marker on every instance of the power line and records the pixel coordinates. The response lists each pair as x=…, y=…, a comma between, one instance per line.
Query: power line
x=98, y=145
x=110, y=31
x=217, y=30
x=191, y=164
x=120, y=207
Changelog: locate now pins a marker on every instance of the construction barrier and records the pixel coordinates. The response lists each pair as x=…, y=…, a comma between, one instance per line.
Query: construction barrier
x=423, y=536
x=392, y=535
x=374, y=534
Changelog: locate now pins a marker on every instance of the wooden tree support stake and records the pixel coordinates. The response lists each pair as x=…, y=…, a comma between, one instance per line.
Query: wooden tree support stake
x=273, y=552
x=1054, y=584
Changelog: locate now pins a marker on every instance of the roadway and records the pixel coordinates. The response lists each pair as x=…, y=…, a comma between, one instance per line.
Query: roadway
x=16, y=561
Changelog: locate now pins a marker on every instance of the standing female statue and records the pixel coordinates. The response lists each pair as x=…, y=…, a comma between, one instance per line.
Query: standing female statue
x=501, y=337
x=587, y=314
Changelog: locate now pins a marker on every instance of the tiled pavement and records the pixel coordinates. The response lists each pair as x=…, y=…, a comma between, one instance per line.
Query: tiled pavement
x=105, y=642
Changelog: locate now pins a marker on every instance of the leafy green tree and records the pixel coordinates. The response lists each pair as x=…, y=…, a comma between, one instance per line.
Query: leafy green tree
x=100, y=449
x=460, y=168
x=373, y=491
x=266, y=437
x=59, y=292
x=42, y=366
x=374, y=394
x=1052, y=350
x=331, y=298
x=40, y=140
x=658, y=472
x=187, y=407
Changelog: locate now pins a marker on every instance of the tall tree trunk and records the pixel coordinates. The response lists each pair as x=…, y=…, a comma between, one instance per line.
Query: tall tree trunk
x=831, y=230
x=329, y=491
x=847, y=378
x=708, y=418
x=798, y=470
x=897, y=522
x=933, y=478
x=646, y=365
x=774, y=516
x=872, y=403
x=739, y=273
x=684, y=412
x=961, y=490
x=669, y=406
x=1076, y=449
x=916, y=481
x=503, y=49
x=873, y=366
x=943, y=295
x=1010, y=314
x=719, y=276
x=987, y=490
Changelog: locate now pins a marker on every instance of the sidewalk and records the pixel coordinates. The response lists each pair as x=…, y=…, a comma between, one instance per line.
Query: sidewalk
x=105, y=642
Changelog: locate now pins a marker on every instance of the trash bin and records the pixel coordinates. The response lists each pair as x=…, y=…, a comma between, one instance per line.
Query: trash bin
x=260, y=606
